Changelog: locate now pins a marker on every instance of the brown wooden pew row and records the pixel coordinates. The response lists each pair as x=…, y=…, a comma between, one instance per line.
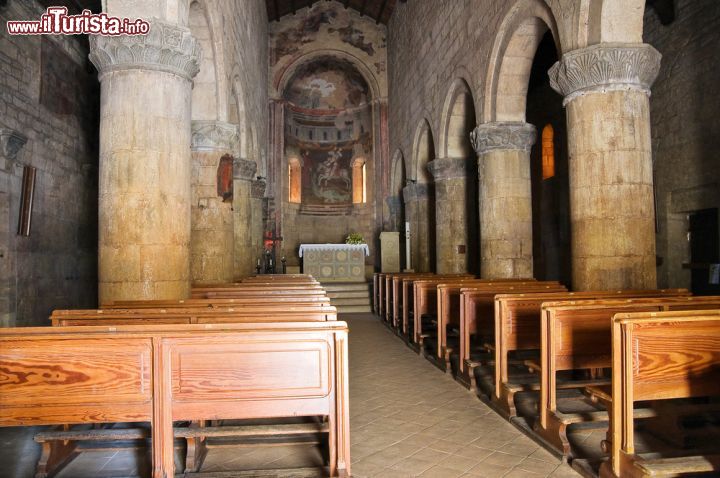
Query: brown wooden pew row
x=661, y=356
x=449, y=299
x=267, y=313
x=576, y=335
x=271, y=289
x=449, y=309
x=279, y=277
x=392, y=293
x=396, y=296
x=517, y=328
x=318, y=298
x=385, y=295
x=473, y=305
x=173, y=373
x=425, y=300
x=196, y=444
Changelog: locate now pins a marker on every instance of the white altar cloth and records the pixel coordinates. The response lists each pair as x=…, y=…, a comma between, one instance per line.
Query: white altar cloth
x=335, y=262
x=334, y=247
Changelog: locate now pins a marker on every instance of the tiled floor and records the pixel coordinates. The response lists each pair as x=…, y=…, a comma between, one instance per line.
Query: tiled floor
x=408, y=419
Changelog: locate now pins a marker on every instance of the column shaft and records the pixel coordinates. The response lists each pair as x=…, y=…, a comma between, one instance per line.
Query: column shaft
x=611, y=183
x=451, y=214
x=505, y=199
x=245, y=251
x=211, y=239
x=144, y=180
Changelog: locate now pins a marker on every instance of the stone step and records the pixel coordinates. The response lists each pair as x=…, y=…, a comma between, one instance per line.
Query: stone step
x=354, y=309
x=338, y=287
x=348, y=294
x=350, y=301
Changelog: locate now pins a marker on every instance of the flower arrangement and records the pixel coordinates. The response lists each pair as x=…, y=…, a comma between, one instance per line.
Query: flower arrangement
x=354, y=238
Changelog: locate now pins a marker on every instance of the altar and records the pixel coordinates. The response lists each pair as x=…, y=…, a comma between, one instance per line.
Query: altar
x=335, y=262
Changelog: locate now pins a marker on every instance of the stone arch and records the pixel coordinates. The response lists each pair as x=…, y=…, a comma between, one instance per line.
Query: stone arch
x=511, y=60
x=423, y=152
x=398, y=174
x=288, y=73
x=458, y=112
x=615, y=21
x=209, y=84
x=238, y=115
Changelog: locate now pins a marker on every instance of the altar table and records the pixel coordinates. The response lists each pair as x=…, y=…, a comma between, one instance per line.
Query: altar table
x=335, y=262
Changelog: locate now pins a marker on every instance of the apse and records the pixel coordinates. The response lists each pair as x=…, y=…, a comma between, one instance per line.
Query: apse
x=328, y=135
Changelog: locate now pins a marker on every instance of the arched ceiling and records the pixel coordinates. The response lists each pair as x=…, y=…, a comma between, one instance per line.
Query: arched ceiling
x=378, y=10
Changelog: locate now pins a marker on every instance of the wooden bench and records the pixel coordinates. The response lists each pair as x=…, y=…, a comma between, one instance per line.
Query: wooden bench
x=398, y=304
x=577, y=336
x=264, y=313
x=517, y=328
x=425, y=302
x=477, y=325
x=448, y=309
x=256, y=289
x=178, y=373
x=661, y=356
x=318, y=298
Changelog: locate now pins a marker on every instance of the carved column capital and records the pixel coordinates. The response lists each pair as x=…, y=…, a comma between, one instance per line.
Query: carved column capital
x=258, y=188
x=244, y=169
x=11, y=142
x=448, y=168
x=605, y=67
x=214, y=136
x=415, y=192
x=503, y=136
x=168, y=48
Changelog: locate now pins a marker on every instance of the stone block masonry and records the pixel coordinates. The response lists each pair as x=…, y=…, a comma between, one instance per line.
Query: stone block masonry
x=49, y=94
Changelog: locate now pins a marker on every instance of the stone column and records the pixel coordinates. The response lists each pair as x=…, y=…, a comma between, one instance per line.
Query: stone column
x=417, y=201
x=606, y=89
x=503, y=151
x=258, y=225
x=245, y=253
x=144, y=177
x=451, y=237
x=211, y=238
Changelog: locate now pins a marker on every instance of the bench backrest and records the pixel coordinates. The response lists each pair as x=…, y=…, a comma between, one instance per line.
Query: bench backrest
x=660, y=356
x=267, y=313
x=161, y=374
x=577, y=334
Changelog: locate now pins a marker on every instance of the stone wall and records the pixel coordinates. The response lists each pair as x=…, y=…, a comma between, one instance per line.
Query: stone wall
x=49, y=94
x=231, y=119
x=685, y=127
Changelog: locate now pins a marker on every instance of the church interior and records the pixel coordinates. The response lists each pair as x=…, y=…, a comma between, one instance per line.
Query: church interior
x=360, y=238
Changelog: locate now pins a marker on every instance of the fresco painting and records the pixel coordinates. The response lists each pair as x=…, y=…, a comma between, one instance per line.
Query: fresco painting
x=329, y=124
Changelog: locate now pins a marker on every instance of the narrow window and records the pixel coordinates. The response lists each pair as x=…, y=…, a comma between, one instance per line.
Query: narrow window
x=548, y=152
x=359, y=180
x=294, y=180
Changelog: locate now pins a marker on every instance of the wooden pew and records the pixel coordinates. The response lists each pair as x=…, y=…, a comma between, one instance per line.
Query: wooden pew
x=661, y=356
x=173, y=373
x=232, y=291
x=258, y=313
x=448, y=308
x=577, y=336
x=517, y=328
x=425, y=302
x=318, y=298
x=398, y=304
